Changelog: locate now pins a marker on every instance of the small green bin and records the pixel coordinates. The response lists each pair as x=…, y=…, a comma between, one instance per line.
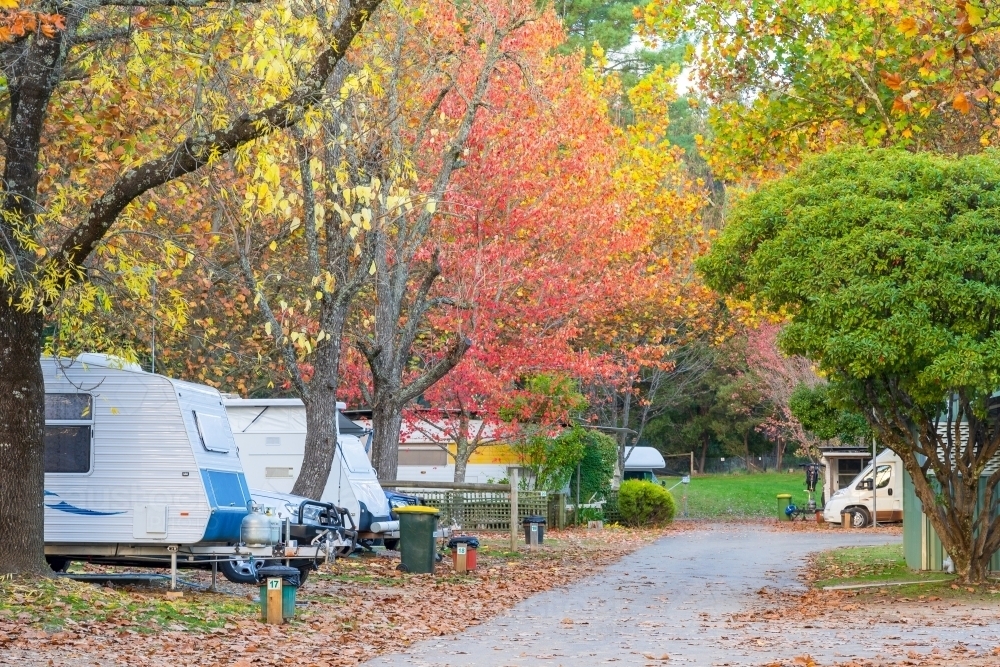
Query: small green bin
x=417, y=524
x=784, y=500
x=290, y=578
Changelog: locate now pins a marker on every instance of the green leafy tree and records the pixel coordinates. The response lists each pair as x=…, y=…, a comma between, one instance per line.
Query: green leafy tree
x=719, y=413
x=597, y=465
x=788, y=77
x=612, y=26
x=551, y=461
x=889, y=265
x=813, y=407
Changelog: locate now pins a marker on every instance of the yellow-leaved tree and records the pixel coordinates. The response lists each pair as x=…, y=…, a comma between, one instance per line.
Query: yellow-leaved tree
x=106, y=103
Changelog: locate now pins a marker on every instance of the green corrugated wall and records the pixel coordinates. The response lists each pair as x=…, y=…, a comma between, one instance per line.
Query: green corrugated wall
x=921, y=546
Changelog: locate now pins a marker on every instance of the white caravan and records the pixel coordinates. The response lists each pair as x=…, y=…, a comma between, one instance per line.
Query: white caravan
x=859, y=498
x=271, y=437
x=141, y=469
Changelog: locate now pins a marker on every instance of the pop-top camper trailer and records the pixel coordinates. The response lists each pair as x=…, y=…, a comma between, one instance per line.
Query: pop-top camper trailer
x=640, y=462
x=271, y=435
x=142, y=469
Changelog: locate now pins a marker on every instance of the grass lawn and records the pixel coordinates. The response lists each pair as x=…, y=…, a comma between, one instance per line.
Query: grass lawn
x=864, y=565
x=735, y=496
x=885, y=564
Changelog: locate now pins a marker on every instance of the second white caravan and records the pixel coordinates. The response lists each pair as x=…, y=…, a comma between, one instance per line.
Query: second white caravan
x=270, y=438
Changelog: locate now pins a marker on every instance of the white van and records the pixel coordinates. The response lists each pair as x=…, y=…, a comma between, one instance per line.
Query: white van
x=862, y=501
x=270, y=436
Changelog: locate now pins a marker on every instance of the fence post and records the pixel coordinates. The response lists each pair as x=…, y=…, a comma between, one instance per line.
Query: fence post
x=512, y=473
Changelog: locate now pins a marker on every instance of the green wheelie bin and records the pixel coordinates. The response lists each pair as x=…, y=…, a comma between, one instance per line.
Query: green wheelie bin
x=784, y=500
x=416, y=538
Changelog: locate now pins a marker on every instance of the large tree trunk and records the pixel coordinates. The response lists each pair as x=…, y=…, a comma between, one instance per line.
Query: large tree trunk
x=22, y=443
x=956, y=523
x=705, y=438
x=321, y=403
x=461, y=462
x=387, y=422
x=22, y=389
x=947, y=467
x=779, y=456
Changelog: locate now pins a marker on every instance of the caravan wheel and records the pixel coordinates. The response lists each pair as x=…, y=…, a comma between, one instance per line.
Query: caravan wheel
x=241, y=571
x=58, y=564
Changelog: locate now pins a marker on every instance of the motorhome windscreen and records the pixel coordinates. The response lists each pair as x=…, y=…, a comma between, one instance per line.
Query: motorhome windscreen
x=213, y=432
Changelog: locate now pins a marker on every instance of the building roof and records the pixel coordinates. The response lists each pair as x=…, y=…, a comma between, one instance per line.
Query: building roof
x=842, y=452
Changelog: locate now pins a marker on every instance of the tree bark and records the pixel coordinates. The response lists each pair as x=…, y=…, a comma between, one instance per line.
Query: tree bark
x=387, y=422
x=22, y=387
x=22, y=443
x=462, y=449
x=321, y=403
x=705, y=438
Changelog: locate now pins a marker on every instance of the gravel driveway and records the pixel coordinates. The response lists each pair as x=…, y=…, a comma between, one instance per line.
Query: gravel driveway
x=675, y=598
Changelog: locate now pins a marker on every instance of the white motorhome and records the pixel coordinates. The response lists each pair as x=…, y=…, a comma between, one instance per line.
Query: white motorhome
x=863, y=497
x=141, y=469
x=271, y=437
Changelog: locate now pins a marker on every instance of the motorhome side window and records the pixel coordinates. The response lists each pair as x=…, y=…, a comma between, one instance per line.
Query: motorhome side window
x=69, y=425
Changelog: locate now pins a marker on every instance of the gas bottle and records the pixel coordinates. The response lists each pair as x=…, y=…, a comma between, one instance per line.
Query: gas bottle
x=275, y=525
x=255, y=529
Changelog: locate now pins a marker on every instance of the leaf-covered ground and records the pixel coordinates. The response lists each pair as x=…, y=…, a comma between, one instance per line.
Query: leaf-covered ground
x=928, y=605
x=350, y=611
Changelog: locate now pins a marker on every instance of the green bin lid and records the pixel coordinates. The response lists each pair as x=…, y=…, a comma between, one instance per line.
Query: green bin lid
x=784, y=496
x=416, y=509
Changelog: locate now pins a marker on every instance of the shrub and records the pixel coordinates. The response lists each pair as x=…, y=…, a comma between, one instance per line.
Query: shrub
x=597, y=466
x=591, y=514
x=645, y=504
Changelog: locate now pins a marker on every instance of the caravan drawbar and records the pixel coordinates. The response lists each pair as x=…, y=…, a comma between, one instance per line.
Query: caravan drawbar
x=142, y=470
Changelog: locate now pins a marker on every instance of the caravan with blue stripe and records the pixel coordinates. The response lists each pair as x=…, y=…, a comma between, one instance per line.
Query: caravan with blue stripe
x=142, y=469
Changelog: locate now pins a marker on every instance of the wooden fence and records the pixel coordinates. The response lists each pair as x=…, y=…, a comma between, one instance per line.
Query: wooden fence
x=484, y=510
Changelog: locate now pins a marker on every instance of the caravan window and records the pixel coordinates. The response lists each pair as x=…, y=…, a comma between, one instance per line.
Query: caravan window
x=69, y=423
x=67, y=407
x=354, y=455
x=214, y=434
